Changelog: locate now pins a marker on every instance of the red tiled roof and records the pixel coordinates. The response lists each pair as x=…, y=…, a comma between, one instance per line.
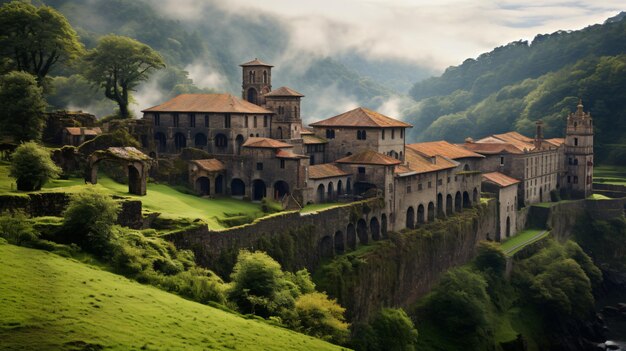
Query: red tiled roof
x=265, y=143
x=514, y=138
x=326, y=170
x=419, y=163
x=308, y=139
x=210, y=165
x=502, y=180
x=288, y=154
x=220, y=103
x=442, y=148
x=361, y=117
x=255, y=62
x=306, y=131
x=284, y=91
x=369, y=157
x=556, y=141
x=491, y=148
x=86, y=130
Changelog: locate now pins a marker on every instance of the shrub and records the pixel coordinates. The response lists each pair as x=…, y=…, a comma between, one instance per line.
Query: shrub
x=321, y=317
x=32, y=166
x=490, y=258
x=17, y=229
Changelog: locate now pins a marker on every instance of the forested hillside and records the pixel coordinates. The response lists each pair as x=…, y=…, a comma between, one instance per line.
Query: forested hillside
x=204, y=55
x=514, y=85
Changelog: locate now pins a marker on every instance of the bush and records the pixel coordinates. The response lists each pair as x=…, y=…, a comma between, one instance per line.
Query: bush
x=321, y=317
x=17, y=229
x=490, y=258
x=32, y=166
x=391, y=329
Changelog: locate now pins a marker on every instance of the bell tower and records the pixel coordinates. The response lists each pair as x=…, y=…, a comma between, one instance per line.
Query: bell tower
x=579, y=152
x=256, y=81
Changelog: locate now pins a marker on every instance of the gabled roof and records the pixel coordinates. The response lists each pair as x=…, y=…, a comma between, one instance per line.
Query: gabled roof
x=326, y=170
x=442, y=148
x=265, y=143
x=284, y=91
x=369, y=157
x=361, y=118
x=255, y=62
x=85, y=130
x=288, y=154
x=499, y=179
x=210, y=165
x=309, y=139
x=516, y=139
x=556, y=141
x=491, y=148
x=419, y=163
x=220, y=103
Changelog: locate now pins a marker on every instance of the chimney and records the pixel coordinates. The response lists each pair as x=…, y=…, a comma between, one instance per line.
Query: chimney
x=538, y=134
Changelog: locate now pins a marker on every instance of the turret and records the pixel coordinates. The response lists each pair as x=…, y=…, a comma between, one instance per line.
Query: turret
x=256, y=81
x=579, y=152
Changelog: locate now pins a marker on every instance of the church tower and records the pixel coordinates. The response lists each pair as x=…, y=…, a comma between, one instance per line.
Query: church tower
x=579, y=153
x=256, y=81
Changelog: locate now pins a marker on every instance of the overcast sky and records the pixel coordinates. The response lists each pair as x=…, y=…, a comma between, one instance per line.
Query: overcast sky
x=435, y=33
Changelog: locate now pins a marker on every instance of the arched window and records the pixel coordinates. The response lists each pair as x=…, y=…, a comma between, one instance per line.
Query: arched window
x=265, y=77
x=251, y=77
x=221, y=140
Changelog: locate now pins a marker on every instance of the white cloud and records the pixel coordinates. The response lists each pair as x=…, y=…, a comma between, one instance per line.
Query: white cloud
x=205, y=76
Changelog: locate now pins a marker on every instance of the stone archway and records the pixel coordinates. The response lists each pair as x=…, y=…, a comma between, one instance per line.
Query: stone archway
x=239, y=143
x=361, y=231
x=449, y=205
x=281, y=188
x=203, y=186
x=375, y=228
x=410, y=217
x=331, y=192
x=431, y=211
x=138, y=164
x=258, y=190
x=252, y=95
x=339, y=242
x=326, y=247
x=421, y=214
x=320, y=194
x=160, y=141
x=466, y=200
x=440, y=212
x=200, y=141
x=180, y=142
x=458, y=205
x=219, y=184
x=351, y=236
x=237, y=187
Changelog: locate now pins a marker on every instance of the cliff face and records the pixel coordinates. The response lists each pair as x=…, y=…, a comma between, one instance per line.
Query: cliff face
x=399, y=271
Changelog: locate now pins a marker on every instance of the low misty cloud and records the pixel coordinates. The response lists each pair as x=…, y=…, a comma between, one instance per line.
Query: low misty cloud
x=205, y=76
x=435, y=34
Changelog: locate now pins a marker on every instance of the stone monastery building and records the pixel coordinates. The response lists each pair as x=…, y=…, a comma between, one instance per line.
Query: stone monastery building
x=259, y=148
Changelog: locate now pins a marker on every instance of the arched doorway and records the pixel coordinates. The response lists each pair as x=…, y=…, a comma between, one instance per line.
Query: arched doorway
x=351, y=236
x=252, y=95
x=431, y=211
x=363, y=187
x=331, y=192
x=237, y=187
x=339, y=242
x=134, y=180
x=219, y=184
x=326, y=247
x=449, y=204
x=203, y=186
x=339, y=188
x=348, y=187
x=239, y=142
x=383, y=225
x=200, y=140
x=421, y=215
x=258, y=190
x=160, y=141
x=221, y=142
x=475, y=196
x=458, y=205
x=281, y=188
x=375, y=228
x=410, y=217
x=180, y=141
x=466, y=200
x=440, y=205
x=361, y=231
x=508, y=226
x=320, y=194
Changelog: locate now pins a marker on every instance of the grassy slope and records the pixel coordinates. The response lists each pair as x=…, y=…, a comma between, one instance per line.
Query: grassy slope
x=526, y=235
x=610, y=175
x=159, y=198
x=48, y=302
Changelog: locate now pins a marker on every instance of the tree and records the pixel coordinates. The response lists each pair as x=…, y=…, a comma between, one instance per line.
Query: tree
x=88, y=220
x=321, y=317
x=118, y=64
x=394, y=330
x=22, y=113
x=490, y=258
x=36, y=38
x=32, y=166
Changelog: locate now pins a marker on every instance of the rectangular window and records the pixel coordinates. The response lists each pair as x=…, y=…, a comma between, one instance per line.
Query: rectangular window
x=439, y=181
x=206, y=121
x=456, y=178
x=569, y=179
x=401, y=133
x=330, y=134
x=175, y=119
x=420, y=186
x=227, y=120
x=430, y=185
x=192, y=120
x=575, y=141
x=448, y=180
x=408, y=189
x=501, y=160
x=259, y=166
x=361, y=170
x=393, y=134
x=157, y=119
x=245, y=119
x=282, y=163
x=254, y=122
x=383, y=135
x=265, y=121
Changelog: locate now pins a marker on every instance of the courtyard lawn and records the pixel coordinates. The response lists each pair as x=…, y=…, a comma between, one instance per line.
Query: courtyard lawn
x=48, y=302
x=521, y=239
x=161, y=198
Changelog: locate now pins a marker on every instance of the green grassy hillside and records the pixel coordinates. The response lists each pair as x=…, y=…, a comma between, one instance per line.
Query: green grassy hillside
x=48, y=302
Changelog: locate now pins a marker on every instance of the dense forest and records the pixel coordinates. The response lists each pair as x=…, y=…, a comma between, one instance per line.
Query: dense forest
x=519, y=83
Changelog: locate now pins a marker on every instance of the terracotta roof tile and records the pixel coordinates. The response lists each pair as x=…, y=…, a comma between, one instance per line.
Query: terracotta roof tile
x=556, y=141
x=86, y=130
x=361, y=117
x=491, y=148
x=288, y=154
x=442, y=148
x=519, y=141
x=502, y=180
x=308, y=139
x=265, y=143
x=284, y=91
x=210, y=165
x=369, y=157
x=255, y=62
x=419, y=163
x=306, y=131
x=326, y=170
x=220, y=103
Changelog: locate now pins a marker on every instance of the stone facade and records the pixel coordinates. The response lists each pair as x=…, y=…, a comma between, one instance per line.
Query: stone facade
x=578, y=179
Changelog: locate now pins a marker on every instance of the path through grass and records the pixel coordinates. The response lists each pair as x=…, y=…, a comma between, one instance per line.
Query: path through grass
x=48, y=302
x=521, y=239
